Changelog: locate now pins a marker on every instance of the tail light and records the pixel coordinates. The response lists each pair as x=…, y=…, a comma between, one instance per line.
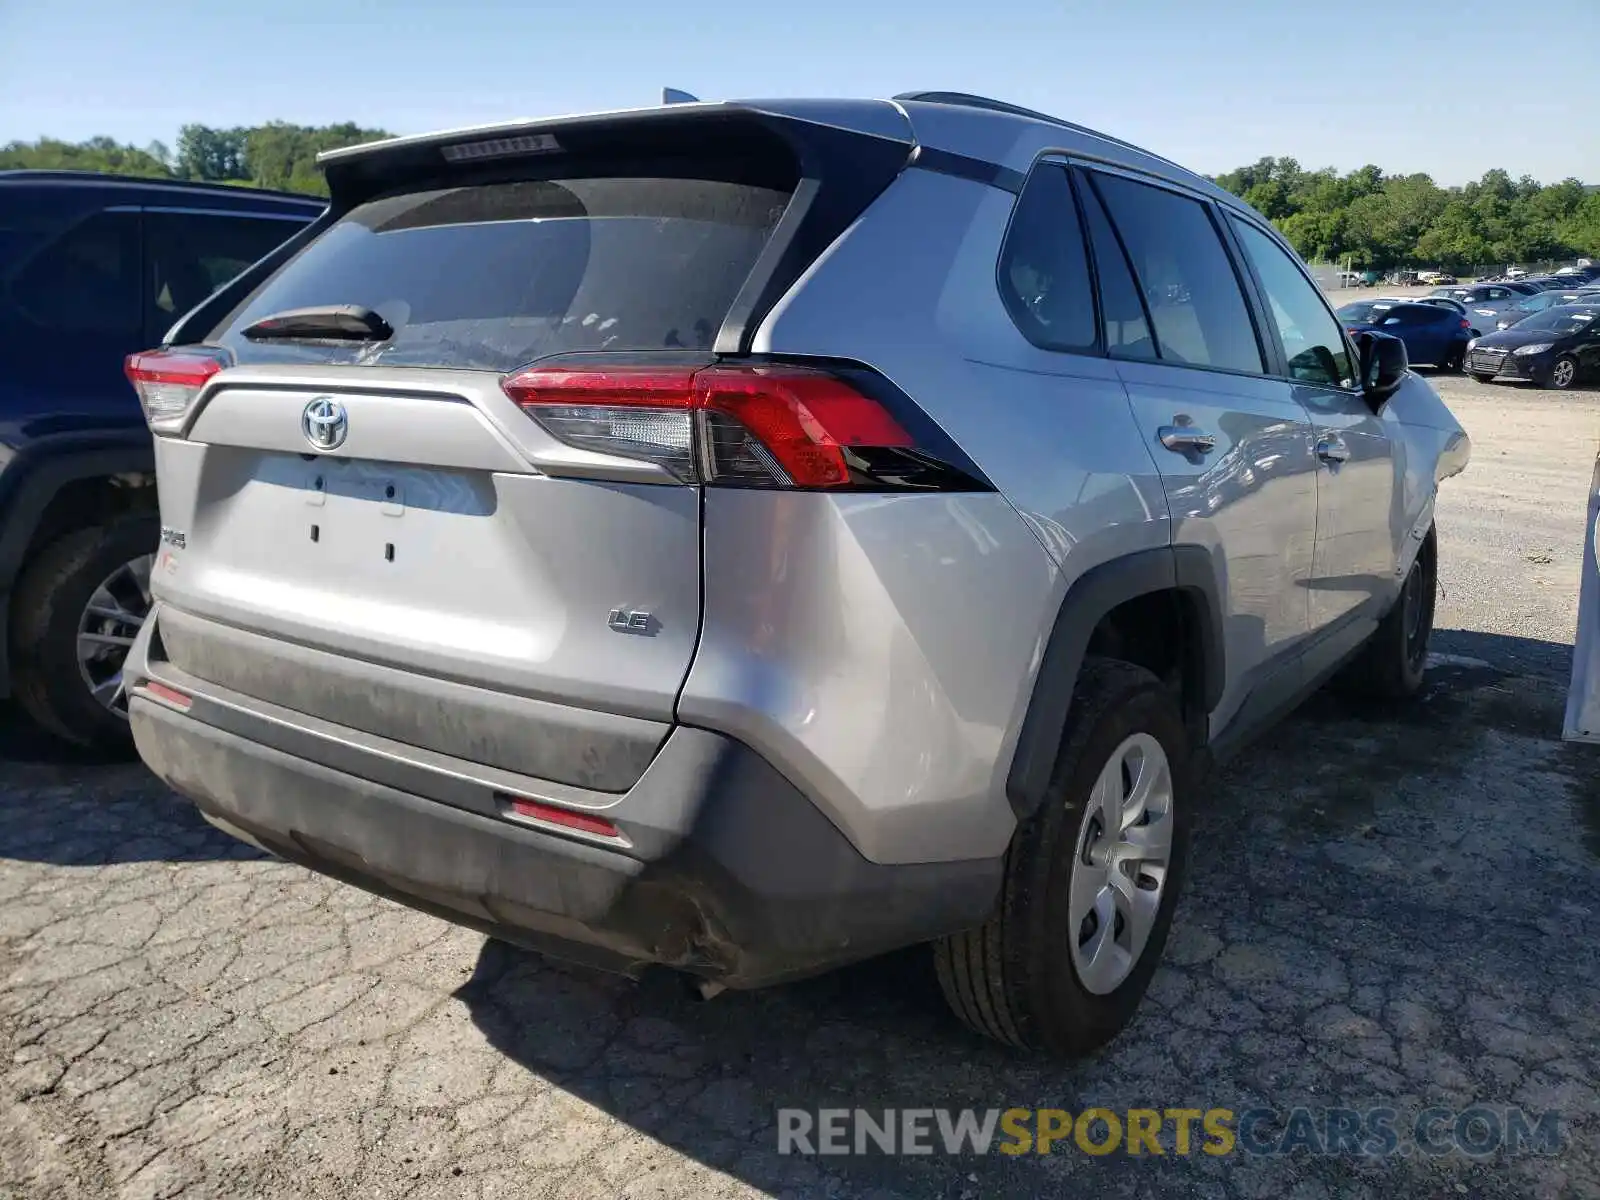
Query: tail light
x=747, y=424
x=1466, y=324
x=169, y=380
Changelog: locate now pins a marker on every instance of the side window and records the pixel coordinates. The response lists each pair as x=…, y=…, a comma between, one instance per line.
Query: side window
x=1126, y=325
x=1312, y=340
x=1184, y=274
x=190, y=255
x=86, y=280
x=1044, y=274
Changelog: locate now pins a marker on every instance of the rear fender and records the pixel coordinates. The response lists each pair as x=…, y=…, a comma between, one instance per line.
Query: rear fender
x=1190, y=571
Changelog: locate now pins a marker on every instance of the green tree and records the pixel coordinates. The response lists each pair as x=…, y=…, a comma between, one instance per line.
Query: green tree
x=277, y=155
x=212, y=155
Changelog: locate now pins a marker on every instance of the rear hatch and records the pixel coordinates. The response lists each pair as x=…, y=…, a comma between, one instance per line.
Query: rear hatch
x=363, y=523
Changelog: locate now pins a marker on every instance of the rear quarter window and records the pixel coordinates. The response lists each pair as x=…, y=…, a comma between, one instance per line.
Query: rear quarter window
x=493, y=276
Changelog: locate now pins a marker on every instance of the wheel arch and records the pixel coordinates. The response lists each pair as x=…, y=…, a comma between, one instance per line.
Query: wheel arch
x=28, y=504
x=1191, y=577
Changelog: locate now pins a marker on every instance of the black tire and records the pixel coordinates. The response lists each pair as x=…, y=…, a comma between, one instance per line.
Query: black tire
x=1483, y=378
x=48, y=604
x=1395, y=659
x=1013, y=979
x=1455, y=358
x=1564, y=370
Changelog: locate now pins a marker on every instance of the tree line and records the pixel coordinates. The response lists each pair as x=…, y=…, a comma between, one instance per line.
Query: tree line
x=1375, y=220
x=1380, y=221
x=276, y=155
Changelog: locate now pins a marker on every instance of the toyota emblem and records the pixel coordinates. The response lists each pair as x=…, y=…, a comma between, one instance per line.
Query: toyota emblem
x=325, y=423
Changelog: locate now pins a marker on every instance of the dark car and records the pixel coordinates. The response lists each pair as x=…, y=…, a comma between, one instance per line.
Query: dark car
x=1432, y=333
x=1544, y=300
x=93, y=268
x=1484, y=301
x=1556, y=348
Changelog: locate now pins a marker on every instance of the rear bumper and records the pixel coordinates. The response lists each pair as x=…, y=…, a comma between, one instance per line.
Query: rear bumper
x=723, y=869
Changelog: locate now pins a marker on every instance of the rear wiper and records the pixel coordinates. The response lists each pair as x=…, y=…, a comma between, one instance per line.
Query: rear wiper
x=324, y=323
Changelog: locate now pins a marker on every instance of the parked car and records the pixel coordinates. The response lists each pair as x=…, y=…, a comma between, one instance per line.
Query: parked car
x=1448, y=302
x=1404, y=278
x=1582, y=272
x=93, y=267
x=1549, y=299
x=1515, y=273
x=1432, y=334
x=1483, y=301
x=1434, y=277
x=651, y=559
x=1556, y=348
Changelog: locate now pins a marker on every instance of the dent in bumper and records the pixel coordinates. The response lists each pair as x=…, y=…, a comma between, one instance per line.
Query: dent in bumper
x=747, y=883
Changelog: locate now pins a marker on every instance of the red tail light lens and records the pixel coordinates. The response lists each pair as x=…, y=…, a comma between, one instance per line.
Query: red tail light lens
x=168, y=381
x=581, y=821
x=169, y=695
x=756, y=425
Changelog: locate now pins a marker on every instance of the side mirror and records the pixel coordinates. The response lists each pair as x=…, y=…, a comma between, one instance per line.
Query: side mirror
x=1383, y=365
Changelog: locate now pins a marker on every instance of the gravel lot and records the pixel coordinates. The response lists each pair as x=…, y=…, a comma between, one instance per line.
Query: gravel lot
x=1396, y=909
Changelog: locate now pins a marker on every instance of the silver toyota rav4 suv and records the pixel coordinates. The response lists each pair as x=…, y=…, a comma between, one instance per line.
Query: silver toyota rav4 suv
x=750, y=537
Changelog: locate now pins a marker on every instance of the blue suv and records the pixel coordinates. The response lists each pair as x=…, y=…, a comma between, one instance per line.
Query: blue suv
x=92, y=268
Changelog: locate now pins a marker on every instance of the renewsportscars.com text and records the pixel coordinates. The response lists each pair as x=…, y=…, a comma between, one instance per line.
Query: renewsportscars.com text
x=1477, y=1132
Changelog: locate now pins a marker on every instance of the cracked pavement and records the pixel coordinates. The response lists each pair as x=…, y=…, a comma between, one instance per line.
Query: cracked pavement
x=1383, y=909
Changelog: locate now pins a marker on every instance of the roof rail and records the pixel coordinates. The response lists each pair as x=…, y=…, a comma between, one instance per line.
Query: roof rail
x=967, y=100
x=76, y=175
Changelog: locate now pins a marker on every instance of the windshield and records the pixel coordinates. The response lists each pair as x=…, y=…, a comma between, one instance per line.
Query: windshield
x=1560, y=320
x=493, y=276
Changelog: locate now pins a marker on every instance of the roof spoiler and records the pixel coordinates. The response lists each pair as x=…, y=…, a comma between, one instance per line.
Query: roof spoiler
x=674, y=96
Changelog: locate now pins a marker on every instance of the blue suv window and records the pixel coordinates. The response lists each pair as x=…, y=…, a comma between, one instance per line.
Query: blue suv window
x=189, y=255
x=86, y=280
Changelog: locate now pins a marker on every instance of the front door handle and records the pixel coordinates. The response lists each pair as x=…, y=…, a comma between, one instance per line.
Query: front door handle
x=1186, y=439
x=1332, y=450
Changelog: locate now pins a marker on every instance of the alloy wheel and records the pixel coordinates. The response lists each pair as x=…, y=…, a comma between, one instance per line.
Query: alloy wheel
x=111, y=620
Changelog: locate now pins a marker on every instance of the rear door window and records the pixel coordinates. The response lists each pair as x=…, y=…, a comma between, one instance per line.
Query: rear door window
x=492, y=276
x=1184, y=274
x=189, y=255
x=86, y=280
x=1044, y=271
x=1126, y=325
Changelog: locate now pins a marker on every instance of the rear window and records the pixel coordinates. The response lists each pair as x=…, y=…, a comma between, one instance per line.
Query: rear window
x=1362, y=311
x=492, y=276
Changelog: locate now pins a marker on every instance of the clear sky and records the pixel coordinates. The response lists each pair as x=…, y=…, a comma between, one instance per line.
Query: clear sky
x=1451, y=87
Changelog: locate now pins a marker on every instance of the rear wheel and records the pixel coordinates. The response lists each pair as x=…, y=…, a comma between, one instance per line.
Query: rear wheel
x=1563, y=374
x=1454, y=358
x=1091, y=879
x=77, y=609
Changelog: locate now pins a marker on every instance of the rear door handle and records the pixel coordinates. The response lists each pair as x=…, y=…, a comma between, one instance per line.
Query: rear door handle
x=1186, y=439
x=1332, y=450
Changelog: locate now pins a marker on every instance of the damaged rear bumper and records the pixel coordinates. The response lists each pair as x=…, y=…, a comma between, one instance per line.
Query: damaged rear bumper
x=720, y=867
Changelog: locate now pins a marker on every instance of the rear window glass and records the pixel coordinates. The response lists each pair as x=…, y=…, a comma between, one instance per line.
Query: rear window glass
x=491, y=276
